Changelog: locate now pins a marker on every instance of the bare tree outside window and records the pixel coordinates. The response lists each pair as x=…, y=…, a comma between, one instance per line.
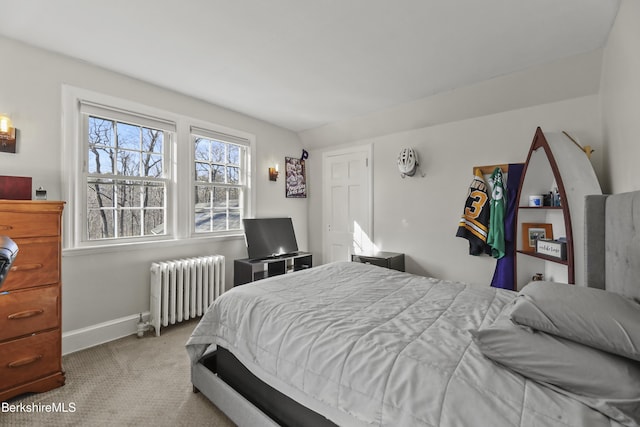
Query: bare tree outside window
x=126, y=180
x=137, y=174
x=219, y=185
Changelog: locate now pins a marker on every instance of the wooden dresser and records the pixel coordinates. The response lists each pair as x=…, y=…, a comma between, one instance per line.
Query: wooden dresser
x=30, y=299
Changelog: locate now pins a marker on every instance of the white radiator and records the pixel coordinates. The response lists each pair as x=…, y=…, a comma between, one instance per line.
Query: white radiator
x=182, y=289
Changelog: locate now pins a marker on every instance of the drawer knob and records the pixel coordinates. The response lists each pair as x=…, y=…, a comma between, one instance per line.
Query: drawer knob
x=6, y=227
x=26, y=267
x=25, y=361
x=25, y=314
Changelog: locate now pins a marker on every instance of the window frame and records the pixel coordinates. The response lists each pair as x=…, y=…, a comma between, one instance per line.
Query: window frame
x=118, y=179
x=179, y=160
x=247, y=166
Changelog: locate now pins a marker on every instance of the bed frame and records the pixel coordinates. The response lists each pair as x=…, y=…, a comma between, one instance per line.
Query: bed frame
x=279, y=407
x=612, y=258
x=240, y=410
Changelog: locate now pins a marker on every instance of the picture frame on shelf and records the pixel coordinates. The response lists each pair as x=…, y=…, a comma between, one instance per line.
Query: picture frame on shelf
x=532, y=231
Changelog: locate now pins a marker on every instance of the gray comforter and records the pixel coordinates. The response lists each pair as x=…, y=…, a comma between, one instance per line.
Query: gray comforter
x=365, y=345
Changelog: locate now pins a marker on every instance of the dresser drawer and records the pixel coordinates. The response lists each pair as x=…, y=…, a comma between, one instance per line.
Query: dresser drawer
x=25, y=312
x=21, y=224
x=37, y=263
x=29, y=358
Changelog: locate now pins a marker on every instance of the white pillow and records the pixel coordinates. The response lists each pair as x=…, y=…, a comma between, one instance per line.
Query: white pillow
x=603, y=381
x=597, y=318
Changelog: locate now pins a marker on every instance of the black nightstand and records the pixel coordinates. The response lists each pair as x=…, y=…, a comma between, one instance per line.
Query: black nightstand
x=391, y=260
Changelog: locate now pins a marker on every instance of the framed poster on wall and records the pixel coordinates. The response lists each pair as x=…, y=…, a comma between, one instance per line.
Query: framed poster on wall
x=296, y=180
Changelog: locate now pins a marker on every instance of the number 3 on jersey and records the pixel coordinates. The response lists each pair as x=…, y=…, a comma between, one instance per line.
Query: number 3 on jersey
x=480, y=198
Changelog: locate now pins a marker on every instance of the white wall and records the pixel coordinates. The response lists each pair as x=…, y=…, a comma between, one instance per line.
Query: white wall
x=566, y=78
x=595, y=96
x=101, y=287
x=620, y=93
x=419, y=216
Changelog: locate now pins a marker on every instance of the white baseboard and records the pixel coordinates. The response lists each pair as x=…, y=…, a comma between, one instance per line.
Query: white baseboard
x=93, y=335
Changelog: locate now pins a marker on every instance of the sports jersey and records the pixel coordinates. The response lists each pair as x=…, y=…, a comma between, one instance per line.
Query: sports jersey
x=503, y=277
x=474, y=223
x=495, y=239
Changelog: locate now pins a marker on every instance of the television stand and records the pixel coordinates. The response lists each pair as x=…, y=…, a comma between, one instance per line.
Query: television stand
x=247, y=270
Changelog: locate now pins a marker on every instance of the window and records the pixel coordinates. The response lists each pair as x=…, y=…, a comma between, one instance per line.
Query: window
x=126, y=180
x=126, y=174
x=136, y=174
x=220, y=181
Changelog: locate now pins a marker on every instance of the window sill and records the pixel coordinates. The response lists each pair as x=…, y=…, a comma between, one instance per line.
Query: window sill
x=136, y=246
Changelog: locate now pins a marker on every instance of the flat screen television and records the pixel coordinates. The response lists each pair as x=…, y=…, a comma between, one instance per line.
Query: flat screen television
x=269, y=237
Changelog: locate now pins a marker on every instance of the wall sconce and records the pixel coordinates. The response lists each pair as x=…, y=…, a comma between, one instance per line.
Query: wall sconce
x=273, y=173
x=7, y=135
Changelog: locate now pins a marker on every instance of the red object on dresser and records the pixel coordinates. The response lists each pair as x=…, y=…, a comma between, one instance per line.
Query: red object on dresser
x=15, y=187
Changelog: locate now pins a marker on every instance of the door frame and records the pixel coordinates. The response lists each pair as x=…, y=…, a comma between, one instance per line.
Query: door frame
x=368, y=149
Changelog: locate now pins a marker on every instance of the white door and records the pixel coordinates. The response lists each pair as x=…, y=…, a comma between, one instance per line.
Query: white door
x=346, y=203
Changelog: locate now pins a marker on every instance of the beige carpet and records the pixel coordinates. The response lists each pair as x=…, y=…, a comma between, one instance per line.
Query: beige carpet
x=129, y=382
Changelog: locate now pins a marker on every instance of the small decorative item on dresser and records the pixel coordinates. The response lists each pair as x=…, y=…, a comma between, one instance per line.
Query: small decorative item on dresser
x=41, y=194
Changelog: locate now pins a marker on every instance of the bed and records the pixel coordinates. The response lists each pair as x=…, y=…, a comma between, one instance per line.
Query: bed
x=352, y=344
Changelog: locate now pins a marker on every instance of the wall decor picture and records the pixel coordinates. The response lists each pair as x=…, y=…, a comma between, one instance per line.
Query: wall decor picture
x=296, y=181
x=532, y=232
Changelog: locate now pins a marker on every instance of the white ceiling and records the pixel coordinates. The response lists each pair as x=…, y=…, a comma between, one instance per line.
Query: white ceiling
x=301, y=64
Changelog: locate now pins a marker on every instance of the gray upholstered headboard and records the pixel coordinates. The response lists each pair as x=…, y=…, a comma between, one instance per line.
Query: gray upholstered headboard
x=612, y=243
